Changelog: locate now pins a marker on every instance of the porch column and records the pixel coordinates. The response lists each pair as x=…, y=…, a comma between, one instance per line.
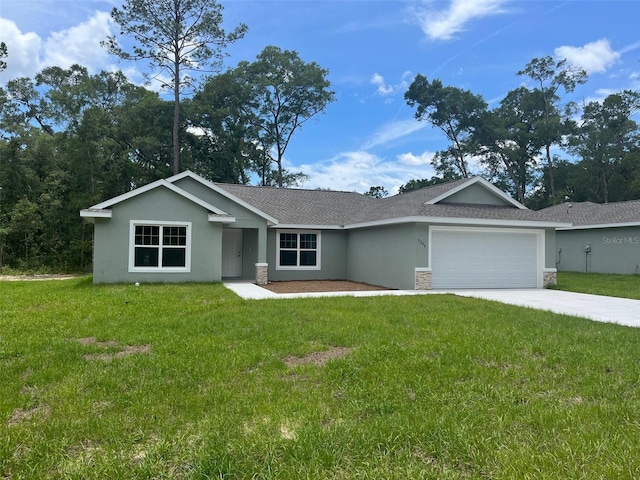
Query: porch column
x=262, y=276
x=423, y=278
x=262, y=267
x=549, y=277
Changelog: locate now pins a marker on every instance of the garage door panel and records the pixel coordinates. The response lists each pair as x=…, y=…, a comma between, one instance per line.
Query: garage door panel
x=465, y=259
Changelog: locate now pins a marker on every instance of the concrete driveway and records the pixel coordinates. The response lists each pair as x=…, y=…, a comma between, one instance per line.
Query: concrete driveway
x=594, y=307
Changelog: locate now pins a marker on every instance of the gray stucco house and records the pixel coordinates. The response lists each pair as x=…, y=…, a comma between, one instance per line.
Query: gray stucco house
x=463, y=234
x=603, y=238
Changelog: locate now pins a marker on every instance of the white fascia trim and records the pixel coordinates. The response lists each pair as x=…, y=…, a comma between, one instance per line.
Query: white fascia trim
x=603, y=225
x=300, y=226
x=93, y=213
x=221, y=218
x=495, y=190
x=152, y=186
x=224, y=193
x=459, y=221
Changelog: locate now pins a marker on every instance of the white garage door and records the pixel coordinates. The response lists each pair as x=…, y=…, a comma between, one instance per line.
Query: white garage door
x=484, y=259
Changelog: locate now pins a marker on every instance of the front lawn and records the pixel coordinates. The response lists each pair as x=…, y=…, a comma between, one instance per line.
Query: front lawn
x=626, y=286
x=190, y=381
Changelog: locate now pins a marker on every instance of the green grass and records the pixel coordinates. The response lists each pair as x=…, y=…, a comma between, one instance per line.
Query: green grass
x=434, y=387
x=626, y=286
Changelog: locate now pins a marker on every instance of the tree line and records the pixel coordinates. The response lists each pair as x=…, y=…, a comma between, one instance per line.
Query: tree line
x=532, y=145
x=70, y=139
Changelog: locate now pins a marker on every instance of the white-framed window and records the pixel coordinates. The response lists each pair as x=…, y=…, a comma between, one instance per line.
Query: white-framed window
x=159, y=246
x=298, y=250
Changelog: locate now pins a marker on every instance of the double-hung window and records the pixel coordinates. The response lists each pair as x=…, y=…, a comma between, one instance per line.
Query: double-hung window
x=298, y=250
x=160, y=247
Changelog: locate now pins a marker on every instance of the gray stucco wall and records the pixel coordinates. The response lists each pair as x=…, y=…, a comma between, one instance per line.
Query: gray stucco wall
x=333, y=245
x=613, y=250
x=111, y=239
x=387, y=256
x=550, y=248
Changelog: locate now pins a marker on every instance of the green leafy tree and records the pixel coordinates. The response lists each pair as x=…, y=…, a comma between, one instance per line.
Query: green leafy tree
x=415, y=184
x=285, y=93
x=550, y=76
x=506, y=141
x=452, y=110
x=177, y=37
x=607, y=134
x=4, y=53
x=221, y=130
x=377, y=192
x=23, y=108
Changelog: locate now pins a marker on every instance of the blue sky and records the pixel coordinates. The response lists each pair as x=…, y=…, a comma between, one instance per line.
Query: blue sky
x=373, y=50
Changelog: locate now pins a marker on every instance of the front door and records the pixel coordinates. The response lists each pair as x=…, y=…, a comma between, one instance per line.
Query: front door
x=232, y=252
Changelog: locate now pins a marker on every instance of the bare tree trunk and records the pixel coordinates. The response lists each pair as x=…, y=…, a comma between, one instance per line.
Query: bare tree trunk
x=552, y=181
x=176, y=116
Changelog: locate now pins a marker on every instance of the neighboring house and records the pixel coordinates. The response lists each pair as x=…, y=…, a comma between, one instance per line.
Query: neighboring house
x=463, y=234
x=604, y=238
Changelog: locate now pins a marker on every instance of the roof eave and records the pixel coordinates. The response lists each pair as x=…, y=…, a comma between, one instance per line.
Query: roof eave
x=307, y=226
x=602, y=225
x=215, y=218
x=460, y=221
x=92, y=213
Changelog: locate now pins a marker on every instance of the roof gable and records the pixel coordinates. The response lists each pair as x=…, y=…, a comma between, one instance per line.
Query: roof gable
x=224, y=192
x=103, y=209
x=476, y=191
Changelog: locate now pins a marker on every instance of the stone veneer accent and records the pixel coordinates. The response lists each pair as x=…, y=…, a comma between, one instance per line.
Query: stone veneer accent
x=423, y=278
x=262, y=277
x=549, y=277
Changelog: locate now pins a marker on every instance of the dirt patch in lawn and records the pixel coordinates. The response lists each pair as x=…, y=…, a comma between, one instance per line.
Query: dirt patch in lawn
x=36, y=278
x=318, y=358
x=124, y=350
x=310, y=286
x=19, y=415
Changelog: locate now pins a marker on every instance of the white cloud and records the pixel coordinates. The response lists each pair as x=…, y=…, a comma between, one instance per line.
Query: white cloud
x=385, y=89
x=594, y=57
x=444, y=24
x=394, y=131
x=28, y=53
x=80, y=44
x=360, y=170
x=411, y=159
x=23, y=49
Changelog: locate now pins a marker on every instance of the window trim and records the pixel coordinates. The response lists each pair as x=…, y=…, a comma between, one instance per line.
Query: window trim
x=318, y=250
x=159, y=269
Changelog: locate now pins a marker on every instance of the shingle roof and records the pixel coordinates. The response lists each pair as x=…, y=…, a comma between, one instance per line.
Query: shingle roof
x=302, y=207
x=323, y=207
x=588, y=213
